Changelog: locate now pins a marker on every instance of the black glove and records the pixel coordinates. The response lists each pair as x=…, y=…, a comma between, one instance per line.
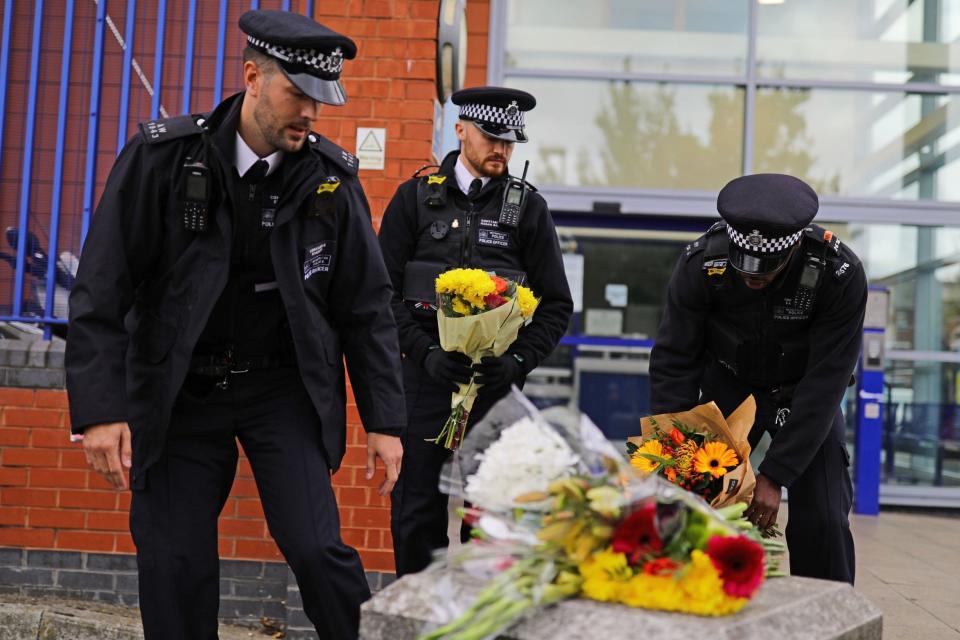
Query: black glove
x=497, y=373
x=448, y=367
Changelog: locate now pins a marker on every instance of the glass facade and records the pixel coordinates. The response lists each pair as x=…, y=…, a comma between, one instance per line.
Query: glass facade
x=651, y=106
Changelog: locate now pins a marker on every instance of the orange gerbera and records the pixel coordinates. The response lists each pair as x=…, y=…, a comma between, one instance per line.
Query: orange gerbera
x=649, y=457
x=714, y=458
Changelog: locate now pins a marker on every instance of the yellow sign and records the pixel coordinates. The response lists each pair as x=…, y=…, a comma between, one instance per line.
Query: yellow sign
x=436, y=179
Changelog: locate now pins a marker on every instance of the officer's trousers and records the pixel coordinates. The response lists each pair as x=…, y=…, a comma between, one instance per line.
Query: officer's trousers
x=173, y=517
x=819, y=503
x=418, y=508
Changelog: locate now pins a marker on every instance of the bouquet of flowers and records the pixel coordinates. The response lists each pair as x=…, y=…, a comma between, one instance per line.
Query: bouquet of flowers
x=700, y=451
x=479, y=314
x=559, y=513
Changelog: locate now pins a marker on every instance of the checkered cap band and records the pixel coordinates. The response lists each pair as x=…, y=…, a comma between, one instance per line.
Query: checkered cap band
x=757, y=243
x=326, y=63
x=510, y=116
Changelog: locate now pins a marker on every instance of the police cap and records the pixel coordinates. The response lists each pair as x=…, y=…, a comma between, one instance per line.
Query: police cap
x=766, y=214
x=496, y=111
x=310, y=55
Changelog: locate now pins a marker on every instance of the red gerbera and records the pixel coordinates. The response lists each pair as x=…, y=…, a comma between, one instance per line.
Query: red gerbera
x=637, y=534
x=740, y=563
x=494, y=300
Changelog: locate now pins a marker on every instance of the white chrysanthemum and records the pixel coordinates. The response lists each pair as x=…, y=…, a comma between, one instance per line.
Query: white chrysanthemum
x=527, y=457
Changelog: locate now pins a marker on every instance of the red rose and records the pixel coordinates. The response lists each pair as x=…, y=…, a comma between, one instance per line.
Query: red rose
x=677, y=436
x=500, y=283
x=661, y=567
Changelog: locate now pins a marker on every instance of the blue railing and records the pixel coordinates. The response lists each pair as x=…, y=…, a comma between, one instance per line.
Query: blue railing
x=32, y=243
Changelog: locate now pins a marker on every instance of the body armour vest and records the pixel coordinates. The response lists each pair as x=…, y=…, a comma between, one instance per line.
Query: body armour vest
x=762, y=337
x=453, y=231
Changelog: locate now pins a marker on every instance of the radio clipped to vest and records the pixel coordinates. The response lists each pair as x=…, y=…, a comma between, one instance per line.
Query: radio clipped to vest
x=809, y=281
x=194, y=195
x=514, y=199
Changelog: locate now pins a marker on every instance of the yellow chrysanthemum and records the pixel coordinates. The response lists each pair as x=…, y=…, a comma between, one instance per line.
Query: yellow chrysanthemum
x=461, y=307
x=714, y=458
x=648, y=448
x=604, y=572
x=470, y=284
x=527, y=301
x=685, y=454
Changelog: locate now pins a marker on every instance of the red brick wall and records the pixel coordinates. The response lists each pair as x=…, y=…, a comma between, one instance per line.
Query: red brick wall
x=48, y=496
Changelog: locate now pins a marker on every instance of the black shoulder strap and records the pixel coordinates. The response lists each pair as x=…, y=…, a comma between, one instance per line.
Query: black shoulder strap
x=165, y=129
x=432, y=189
x=823, y=237
x=339, y=156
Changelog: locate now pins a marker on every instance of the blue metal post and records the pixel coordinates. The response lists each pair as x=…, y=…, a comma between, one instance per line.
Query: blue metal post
x=62, y=109
x=254, y=4
x=27, y=175
x=221, y=38
x=188, y=58
x=5, y=65
x=128, y=35
x=310, y=8
x=158, y=59
x=285, y=5
x=869, y=437
x=93, y=128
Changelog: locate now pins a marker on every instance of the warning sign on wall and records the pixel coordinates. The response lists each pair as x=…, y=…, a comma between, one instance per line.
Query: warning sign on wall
x=371, y=147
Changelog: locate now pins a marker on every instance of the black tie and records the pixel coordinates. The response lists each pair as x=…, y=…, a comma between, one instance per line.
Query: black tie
x=257, y=172
x=475, y=187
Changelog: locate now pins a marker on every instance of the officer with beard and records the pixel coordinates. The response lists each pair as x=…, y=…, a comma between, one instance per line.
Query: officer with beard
x=455, y=218
x=769, y=304
x=231, y=264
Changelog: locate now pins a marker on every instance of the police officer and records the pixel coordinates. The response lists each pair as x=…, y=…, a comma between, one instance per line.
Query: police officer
x=230, y=265
x=457, y=217
x=768, y=304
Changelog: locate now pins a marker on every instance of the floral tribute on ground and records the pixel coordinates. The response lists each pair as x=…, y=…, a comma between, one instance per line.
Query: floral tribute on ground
x=558, y=512
x=478, y=314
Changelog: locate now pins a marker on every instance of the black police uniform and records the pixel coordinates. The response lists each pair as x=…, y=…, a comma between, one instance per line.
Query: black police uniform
x=793, y=345
x=198, y=335
x=430, y=226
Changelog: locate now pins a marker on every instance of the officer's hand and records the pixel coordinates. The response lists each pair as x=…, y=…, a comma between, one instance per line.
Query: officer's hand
x=390, y=450
x=497, y=373
x=448, y=367
x=109, y=451
x=766, y=503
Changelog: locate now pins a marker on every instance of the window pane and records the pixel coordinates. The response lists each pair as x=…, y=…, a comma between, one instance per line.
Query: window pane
x=861, y=143
x=694, y=36
x=632, y=135
x=860, y=40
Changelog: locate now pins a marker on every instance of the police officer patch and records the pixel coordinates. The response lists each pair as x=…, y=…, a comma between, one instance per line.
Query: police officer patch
x=318, y=258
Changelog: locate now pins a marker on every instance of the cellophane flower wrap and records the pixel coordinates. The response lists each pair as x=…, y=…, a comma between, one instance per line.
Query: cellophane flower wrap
x=699, y=450
x=478, y=314
x=558, y=513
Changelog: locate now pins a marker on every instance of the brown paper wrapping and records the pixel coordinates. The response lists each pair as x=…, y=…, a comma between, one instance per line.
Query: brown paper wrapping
x=739, y=482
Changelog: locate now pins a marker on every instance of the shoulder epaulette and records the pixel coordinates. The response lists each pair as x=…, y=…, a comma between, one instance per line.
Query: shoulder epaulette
x=165, y=129
x=339, y=156
x=823, y=236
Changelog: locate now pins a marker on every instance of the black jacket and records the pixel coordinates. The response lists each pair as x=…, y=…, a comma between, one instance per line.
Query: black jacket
x=532, y=248
x=717, y=337
x=145, y=288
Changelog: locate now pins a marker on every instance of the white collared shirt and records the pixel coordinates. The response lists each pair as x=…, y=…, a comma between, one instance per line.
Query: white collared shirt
x=464, y=177
x=245, y=157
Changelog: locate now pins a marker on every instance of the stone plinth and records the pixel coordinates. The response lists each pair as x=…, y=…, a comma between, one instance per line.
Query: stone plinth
x=784, y=608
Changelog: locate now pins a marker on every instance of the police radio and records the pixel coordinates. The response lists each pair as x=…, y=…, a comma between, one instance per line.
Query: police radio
x=194, y=195
x=809, y=279
x=514, y=197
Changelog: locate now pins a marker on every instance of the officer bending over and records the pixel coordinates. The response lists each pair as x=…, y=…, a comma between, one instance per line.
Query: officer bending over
x=460, y=217
x=784, y=324
x=230, y=265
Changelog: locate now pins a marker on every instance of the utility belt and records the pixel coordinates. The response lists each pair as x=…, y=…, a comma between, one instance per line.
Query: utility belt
x=224, y=363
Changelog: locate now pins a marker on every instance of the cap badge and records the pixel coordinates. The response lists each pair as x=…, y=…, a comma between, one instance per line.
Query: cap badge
x=754, y=239
x=512, y=109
